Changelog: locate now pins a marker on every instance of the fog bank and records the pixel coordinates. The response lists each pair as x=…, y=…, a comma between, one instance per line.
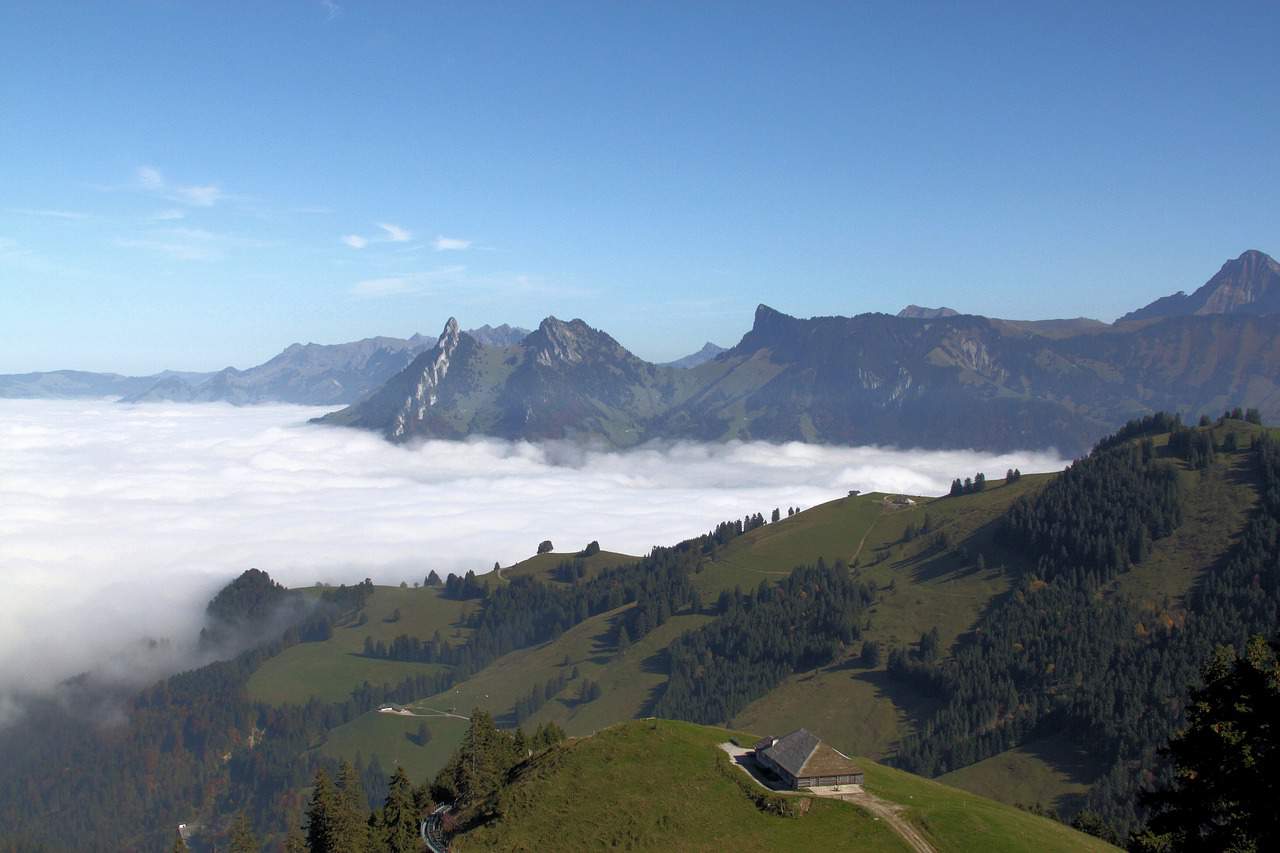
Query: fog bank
x=118, y=522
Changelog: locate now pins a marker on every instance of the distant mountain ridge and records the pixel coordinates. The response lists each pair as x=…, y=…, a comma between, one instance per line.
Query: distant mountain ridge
x=306, y=374
x=918, y=312
x=702, y=356
x=956, y=381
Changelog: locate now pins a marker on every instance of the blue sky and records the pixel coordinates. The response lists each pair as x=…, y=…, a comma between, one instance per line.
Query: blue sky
x=191, y=185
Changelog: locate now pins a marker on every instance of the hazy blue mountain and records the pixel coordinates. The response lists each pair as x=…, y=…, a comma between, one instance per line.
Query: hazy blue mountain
x=63, y=384
x=954, y=381
x=314, y=374
x=918, y=312
x=498, y=336
x=1250, y=284
x=693, y=359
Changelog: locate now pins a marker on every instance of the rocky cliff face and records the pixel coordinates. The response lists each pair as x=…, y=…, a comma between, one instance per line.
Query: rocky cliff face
x=1249, y=284
x=431, y=368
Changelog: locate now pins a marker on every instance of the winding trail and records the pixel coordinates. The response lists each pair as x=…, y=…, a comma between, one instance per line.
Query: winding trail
x=865, y=534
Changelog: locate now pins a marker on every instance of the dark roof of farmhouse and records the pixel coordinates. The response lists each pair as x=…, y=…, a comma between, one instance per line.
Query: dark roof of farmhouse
x=802, y=753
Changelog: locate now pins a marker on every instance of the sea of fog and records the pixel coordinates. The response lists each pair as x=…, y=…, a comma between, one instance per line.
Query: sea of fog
x=119, y=521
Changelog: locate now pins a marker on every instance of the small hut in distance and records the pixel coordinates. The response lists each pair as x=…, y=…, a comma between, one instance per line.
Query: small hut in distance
x=801, y=760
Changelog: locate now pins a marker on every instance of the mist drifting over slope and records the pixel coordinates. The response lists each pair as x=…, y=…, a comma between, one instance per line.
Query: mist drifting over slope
x=119, y=522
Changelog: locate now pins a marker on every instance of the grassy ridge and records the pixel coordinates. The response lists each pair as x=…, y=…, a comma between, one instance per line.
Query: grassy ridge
x=330, y=670
x=654, y=785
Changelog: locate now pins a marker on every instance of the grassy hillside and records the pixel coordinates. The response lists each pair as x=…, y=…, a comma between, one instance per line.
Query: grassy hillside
x=957, y=821
x=330, y=670
x=543, y=566
x=934, y=564
x=658, y=786
x=392, y=738
x=921, y=586
x=1050, y=773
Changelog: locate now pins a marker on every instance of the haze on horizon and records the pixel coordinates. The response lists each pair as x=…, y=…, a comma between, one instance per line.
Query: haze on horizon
x=195, y=186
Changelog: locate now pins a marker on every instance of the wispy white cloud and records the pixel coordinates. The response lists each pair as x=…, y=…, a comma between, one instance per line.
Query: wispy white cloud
x=150, y=178
x=196, y=195
x=386, y=286
x=48, y=213
x=170, y=215
x=204, y=196
x=355, y=241
x=450, y=244
x=415, y=282
x=395, y=233
x=189, y=244
x=332, y=9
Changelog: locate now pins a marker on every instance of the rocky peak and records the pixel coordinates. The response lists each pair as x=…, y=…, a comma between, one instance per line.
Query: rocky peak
x=919, y=312
x=1249, y=284
x=449, y=337
x=1249, y=280
x=558, y=342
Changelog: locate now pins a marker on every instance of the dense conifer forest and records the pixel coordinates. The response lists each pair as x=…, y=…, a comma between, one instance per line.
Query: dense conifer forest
x=1056, y=656
x=760, y=638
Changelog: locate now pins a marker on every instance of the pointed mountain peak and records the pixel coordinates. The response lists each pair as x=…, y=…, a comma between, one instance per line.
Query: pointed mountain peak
x=449, y=337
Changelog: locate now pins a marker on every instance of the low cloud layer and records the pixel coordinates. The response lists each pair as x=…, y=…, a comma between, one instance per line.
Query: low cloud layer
x=118, y=522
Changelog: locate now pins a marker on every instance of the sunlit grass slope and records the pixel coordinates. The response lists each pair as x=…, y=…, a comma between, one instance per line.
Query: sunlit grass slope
x=330, y=670
x=393, y=739
x=655, y=785
x=957, y=821
x=543, y=566
x=860, y=709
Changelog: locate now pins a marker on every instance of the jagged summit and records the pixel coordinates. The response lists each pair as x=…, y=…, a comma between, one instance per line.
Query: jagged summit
x=1249, y=284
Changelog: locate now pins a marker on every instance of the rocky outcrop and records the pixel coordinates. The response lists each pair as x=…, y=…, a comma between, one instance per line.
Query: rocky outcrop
x=1249, y=284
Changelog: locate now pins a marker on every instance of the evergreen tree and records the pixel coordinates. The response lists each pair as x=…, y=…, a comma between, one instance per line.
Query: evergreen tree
x=243, y=839
x=295, y=842
x=433, y=579
x=349, y=830
x=624, y=639
x=321, y=816
x=1226, y=782
x=398, y=827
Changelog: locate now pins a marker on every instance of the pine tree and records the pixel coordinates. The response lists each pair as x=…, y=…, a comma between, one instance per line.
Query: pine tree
x=320, y=816
x=624, y=639
x=350, y=808
x=243, y=839
x=295, y=842
x=398, y=827
x=1227, y=761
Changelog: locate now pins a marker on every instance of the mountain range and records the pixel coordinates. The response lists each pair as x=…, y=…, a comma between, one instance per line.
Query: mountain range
x=932, y=378
x=928, y=377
